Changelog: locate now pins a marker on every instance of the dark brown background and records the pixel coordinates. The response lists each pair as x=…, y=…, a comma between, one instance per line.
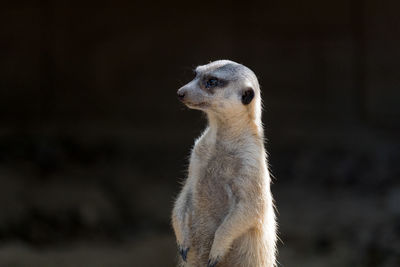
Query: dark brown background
x=93, y=142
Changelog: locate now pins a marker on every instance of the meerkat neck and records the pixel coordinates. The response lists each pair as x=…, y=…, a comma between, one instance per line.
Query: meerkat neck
x=234, y=128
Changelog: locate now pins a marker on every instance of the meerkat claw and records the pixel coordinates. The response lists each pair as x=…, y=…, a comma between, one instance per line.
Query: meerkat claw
x=212, y=263
x=183, y=253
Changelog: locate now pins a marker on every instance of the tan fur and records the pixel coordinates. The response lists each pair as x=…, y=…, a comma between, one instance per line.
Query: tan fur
x=225, y=210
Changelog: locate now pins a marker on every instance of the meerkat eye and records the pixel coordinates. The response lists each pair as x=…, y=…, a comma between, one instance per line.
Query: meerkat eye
x=212, y=82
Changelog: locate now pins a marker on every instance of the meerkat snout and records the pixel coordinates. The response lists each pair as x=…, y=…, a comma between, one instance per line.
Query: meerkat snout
x=181, y=95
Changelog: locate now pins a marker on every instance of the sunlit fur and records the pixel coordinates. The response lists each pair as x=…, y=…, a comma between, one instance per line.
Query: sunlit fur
x=225, y=209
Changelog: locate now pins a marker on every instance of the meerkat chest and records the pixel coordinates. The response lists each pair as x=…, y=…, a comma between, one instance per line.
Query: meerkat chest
x=214, y=168
x=216, y=163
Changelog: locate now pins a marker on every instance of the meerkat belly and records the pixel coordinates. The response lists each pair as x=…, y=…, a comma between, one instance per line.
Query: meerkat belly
x=213, y=201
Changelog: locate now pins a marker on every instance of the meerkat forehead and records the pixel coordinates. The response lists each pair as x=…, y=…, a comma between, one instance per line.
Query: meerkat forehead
x=226, y=69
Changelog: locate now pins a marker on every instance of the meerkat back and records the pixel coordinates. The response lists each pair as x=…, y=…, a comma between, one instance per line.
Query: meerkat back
x=224, y=214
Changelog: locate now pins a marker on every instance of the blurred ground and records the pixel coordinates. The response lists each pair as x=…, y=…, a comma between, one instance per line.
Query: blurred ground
x=152, y=251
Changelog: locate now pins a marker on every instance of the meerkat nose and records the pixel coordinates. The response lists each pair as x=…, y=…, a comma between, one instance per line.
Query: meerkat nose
x=181, y=95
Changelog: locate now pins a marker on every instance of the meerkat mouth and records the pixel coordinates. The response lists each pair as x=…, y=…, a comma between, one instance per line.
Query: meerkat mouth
x=197, y=105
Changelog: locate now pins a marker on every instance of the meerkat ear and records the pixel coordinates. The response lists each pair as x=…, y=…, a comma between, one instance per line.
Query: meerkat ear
x=247, y=96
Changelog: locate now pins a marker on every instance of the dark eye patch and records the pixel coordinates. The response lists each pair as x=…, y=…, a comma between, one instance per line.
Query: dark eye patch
x=212, y=82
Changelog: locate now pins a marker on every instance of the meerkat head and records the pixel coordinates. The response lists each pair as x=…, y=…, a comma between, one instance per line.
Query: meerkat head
x=223, y=88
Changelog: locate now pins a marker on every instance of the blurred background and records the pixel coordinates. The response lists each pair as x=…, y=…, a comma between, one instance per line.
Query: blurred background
x=94, y=144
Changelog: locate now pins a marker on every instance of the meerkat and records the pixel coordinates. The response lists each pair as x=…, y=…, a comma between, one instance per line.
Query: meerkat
x=224, y=214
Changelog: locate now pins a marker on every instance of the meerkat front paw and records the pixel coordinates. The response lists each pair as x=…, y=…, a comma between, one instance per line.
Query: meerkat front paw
x=217, y=252
x=184, y=247
x=183, y=251
x=213, y=262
